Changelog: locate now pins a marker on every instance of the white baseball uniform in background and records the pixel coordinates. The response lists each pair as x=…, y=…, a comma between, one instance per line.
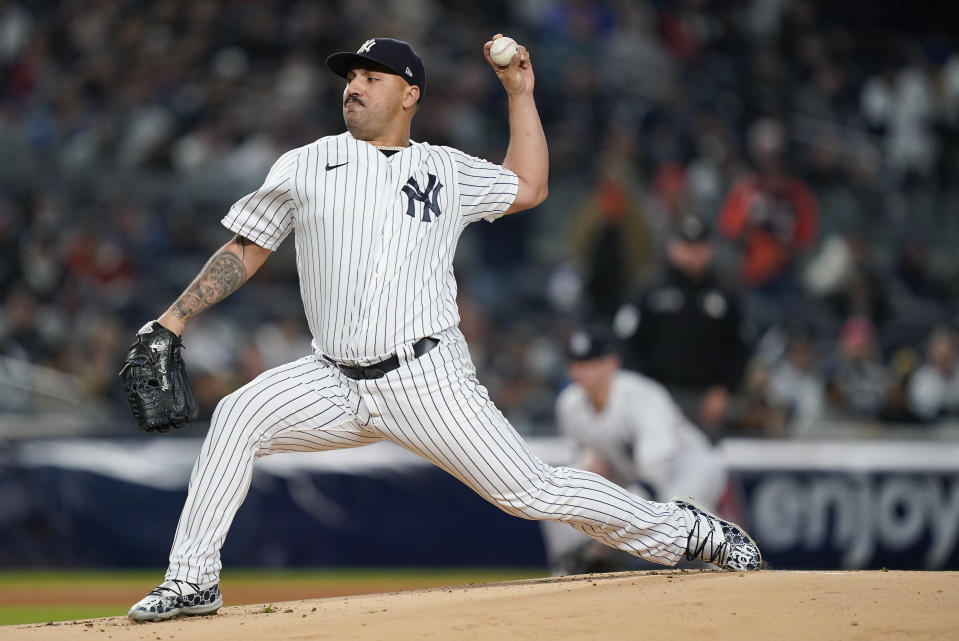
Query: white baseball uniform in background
x=644, y=442
x=375, y=239
x=644, y=438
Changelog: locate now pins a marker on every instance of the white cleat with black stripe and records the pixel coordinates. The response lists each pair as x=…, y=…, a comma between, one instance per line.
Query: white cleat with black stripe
x=716, y=541
x=173, y=598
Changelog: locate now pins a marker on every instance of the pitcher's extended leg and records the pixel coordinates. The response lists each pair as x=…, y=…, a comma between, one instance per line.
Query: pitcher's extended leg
x=299, y=406
x=435, y=407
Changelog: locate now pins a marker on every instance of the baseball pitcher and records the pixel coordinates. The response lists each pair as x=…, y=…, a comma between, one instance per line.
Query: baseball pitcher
x=375, y=218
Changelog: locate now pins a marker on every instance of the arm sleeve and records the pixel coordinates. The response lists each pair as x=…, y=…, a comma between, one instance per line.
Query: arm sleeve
x=562, y=409
x=266, y=216
x=655, y=440
x=738, y=348
x=641, y=345
x=486, y=190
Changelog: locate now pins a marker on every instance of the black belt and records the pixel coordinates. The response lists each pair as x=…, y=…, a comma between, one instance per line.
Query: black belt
x=379, y=370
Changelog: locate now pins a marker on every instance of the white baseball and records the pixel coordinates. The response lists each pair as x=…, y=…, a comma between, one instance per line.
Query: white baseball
x=503, y=50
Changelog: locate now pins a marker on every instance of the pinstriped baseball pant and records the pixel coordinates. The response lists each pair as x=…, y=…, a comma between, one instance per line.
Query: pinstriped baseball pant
x=432, y=406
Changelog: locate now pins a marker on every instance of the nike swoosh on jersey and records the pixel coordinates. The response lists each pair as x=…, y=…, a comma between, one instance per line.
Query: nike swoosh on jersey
x=329, y=166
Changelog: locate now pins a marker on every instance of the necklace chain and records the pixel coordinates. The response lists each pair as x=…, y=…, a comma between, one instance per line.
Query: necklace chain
x=385, y=148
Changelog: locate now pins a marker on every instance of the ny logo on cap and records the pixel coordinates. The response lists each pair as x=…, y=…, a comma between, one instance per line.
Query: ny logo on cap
x=367, y=46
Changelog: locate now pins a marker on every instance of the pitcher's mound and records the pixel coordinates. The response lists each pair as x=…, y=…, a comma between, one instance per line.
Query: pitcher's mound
x=666, y=605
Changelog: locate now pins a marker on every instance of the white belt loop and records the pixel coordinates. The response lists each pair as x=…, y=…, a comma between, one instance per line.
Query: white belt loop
x=405, y=353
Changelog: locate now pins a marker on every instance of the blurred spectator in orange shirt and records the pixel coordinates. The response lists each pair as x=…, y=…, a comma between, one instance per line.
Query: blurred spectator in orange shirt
x=610, y=233
x=773, y=215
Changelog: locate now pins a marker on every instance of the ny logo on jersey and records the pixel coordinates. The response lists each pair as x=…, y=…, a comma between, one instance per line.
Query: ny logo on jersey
x=367, y=46
x=428, y=197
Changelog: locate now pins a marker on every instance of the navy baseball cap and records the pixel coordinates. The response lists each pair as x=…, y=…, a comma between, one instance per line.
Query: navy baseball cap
x=589, y=342
x=395, y=55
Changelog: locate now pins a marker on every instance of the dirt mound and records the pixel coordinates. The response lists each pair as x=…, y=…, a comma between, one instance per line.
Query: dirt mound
x=648, y=605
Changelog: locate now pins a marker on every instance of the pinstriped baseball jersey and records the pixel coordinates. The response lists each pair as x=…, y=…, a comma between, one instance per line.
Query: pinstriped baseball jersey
x=375, y=236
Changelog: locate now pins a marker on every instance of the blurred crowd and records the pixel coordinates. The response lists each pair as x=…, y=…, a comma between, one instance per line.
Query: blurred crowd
x=815, y=144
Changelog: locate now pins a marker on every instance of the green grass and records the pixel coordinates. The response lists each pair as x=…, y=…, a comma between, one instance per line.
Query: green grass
x=139, y=581
x=18, y=614
x=64, y=578
x=59, y=578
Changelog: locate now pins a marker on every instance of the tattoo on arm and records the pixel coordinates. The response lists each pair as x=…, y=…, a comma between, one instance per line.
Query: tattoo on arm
x=221, y=276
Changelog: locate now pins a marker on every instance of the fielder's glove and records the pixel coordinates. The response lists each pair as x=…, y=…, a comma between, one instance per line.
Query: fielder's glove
x=157, y=387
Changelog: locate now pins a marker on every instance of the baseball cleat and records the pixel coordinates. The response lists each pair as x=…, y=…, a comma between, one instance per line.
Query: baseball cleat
x=173, y=598
x=717, y=541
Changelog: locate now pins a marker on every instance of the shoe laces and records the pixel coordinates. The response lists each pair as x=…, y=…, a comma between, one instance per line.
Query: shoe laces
x=173, y=586
x=718, y=550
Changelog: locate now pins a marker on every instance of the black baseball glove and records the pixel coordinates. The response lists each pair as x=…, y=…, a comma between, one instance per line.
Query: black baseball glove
x=156, y=383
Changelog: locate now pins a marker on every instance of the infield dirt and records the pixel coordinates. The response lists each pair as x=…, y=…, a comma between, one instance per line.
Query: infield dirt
x=656, y=605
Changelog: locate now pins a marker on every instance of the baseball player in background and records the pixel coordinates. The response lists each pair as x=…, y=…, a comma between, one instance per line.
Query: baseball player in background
x=376, y=218
x=626, y=428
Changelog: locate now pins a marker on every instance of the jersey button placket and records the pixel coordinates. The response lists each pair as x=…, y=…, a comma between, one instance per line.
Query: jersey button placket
x=377, y=263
